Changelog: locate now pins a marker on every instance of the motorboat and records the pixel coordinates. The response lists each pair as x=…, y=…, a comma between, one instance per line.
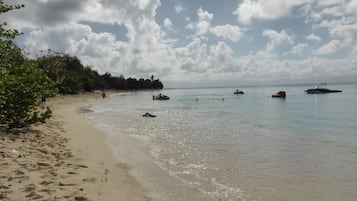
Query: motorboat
x=238, y=92
x=280, y=94
x=321, y=90
x=148, y=115
x=160, y=97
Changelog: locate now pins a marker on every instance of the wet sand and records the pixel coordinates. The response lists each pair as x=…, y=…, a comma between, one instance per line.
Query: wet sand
x=64, y=159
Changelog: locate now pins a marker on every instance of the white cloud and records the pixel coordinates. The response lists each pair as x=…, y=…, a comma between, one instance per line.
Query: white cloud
x=354, y=51
x=265, y=9
x=313, y=37
x=221, y=57
x=204, y=15
x=330, y=48
x=95, y=49
x=142, y=4
x=334, y=10
x=345, y=40
x=329, y=13
x=191, y=55
x=203, y=24
x=338, y=17
x=47, y=13
x=346, y=31
x=297, y=49
x=141, y=53
x=328, y=3
x=233, y=33
x=204, y=21
x=178, y=8
x=248, y=10
x=352, y=7
x=277, y=39
x=168, y=23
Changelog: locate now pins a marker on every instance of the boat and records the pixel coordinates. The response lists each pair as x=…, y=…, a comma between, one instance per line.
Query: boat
x=238, y=92
x=148, y=115
x=322, y=90
x=160, y=97
x=280, y=94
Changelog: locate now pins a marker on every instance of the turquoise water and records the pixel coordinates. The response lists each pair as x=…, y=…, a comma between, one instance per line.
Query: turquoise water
x=242, y=147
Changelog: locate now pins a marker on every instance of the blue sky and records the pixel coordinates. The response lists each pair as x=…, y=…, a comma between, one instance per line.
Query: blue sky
x=199, y=42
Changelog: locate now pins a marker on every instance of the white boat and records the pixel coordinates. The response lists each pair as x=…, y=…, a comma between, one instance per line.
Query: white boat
x=322, y=90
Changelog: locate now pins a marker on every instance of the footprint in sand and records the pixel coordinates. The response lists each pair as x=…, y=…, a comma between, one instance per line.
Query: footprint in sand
x=31, y=190
x=34, y=195
x=80, y=198
x=19, y=172
x=43, y=164
x=89, y=179
x=68, y=155
x=3, y=194
x=105, y=178
x=48, y=191
x=63, y=184
x=81, y=166
x=30, y=187
x=46, y=183
x=3, y=187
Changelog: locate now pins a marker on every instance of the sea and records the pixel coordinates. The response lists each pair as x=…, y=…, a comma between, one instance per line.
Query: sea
x=209, y=144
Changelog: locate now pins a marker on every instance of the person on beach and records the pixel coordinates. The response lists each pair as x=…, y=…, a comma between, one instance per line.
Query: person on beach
x=103, y=94
x=43, y=102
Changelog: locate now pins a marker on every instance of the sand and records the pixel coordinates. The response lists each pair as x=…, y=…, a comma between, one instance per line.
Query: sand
x=64, y=159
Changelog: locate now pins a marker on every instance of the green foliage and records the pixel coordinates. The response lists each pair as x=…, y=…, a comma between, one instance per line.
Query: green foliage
x=8, y=33
x=71, y=77
x=21, y=93
x=22, y=84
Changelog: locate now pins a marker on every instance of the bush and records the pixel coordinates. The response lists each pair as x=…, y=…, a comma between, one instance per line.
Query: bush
x=22, y=84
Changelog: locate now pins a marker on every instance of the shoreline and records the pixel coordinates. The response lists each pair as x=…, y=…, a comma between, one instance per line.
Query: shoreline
x=134, y=151
x=65, y=159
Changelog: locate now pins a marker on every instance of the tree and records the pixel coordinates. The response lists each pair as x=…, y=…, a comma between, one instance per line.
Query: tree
x=22, y=84
x=55, y=68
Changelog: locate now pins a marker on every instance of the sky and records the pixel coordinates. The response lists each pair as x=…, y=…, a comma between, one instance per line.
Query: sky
x=191, y=43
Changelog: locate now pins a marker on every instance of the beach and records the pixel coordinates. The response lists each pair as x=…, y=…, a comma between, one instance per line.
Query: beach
x=250, y=147
x=64, y=159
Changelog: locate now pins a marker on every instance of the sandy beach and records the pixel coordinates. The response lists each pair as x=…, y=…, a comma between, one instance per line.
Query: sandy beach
x=64, y=159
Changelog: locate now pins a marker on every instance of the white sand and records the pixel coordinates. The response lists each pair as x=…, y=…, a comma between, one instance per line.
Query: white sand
x=64, y=159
